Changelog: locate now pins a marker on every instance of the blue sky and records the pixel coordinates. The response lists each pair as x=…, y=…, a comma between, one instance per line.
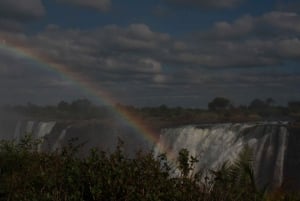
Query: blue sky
x=174, y=52
x=160, y=15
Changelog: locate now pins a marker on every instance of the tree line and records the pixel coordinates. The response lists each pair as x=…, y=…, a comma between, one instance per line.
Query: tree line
x=218, y=109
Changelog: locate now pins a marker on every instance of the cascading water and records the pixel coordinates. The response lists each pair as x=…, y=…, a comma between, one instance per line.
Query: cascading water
x=90, y=134
x=36, y=129
x=58, y=143
x=212, y=144
x=215, y=144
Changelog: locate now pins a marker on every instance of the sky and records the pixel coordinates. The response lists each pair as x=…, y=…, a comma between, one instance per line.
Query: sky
x=149, y=53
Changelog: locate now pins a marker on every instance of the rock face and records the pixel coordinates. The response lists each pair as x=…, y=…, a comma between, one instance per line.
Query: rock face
x=276, y=156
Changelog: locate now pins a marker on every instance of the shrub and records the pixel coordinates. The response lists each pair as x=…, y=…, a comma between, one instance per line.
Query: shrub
x=28, y=175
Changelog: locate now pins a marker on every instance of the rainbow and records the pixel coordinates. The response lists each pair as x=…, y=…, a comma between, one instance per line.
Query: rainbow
x=23, y=50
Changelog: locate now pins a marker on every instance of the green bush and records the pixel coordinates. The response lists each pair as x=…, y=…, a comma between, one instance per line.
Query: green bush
x=28, y=175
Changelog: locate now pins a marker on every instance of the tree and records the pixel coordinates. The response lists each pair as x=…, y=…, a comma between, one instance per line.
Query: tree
x=219, y=103
x=257, y=104
x=63, y=106
x=270, y=102
x=81, y=105
x=294, y=105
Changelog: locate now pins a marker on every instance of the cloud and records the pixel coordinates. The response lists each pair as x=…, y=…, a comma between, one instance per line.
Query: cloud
x=138, y=54
x=21, y=10
x=101, y=5
x=10, y=25
x=291, y=6
x=282, y=21
x=289, y=48
x=110, y=54
x=218, y=4
x=271, y=24
x=225, y=30
x=14, y=13
x=249, y=41
x=135, y=59
x=245, y=42
x=145, y=54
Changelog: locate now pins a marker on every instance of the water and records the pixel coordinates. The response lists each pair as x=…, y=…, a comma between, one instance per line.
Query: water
x=36, y=129
x=89, y=134
x=215, y=144
x=212, y=144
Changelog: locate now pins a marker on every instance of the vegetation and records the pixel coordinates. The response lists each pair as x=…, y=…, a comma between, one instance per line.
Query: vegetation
x=219, y=110
x=220, y=103
x=77, y=110
x=29, y=175
x=26, y=174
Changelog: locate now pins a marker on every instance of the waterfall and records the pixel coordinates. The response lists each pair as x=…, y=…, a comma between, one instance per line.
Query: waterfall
x=86, y=134
x=43, y=128
x=34, y=128
x=59, y=141
x=17, y=133
x=215, y=144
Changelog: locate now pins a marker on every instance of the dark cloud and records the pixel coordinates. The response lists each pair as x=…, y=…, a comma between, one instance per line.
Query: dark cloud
x=270, y=25
x=285, y=22
x=110, y=48
x=208, y=4
x=135, y=59
x=114, y=57
x=21, y=10
x=285, y=6
x=289, y=48
x=14, y=13
x=23, y=79
x=101, y=5
x=225, y=30
x=139, y=53
x=10, y=25
x=269, y=39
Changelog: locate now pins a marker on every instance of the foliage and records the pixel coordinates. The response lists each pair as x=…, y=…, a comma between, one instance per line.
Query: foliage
x=237, y=179
x=257, y=104
x=220, y=109
x=29, y=175
x=219, y=103
x=294, y=105
x=77, y=109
